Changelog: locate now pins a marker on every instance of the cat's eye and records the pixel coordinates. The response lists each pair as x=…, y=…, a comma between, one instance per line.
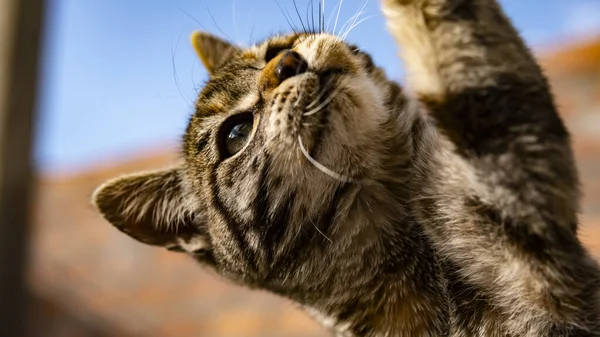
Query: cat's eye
x=235, y=133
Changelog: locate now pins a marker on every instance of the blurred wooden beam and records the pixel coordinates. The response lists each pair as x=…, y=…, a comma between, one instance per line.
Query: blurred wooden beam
x=20, y=39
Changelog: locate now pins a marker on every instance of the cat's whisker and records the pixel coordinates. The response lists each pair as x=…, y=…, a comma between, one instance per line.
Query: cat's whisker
x=212, y=17
x=343, y=27
x=322, y=16
x=346, y=24
x=316, y=99
x=337, y=17
x=317, y=25
x=287, y=17
x=183, y=95
x=310, y=10
x=320, y=166
x=192, y=18
x=250, y=15
x=319, y=17
x=299, y=99
x=320, y=95
x=324, y=103
x=320, y=232
x=354, y=18
x=328, y=25
x=252, y=33
x=355, y=25
x=192, y=72
x=299, y=17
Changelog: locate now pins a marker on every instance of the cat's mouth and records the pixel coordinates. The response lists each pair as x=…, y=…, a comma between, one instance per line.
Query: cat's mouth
x=300, y=106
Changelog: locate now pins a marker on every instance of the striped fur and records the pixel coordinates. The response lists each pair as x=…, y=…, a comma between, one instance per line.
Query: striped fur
x=451, y=213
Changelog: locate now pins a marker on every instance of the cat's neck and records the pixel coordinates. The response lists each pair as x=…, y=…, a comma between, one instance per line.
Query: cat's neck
x=396, y=291
x=386, y=280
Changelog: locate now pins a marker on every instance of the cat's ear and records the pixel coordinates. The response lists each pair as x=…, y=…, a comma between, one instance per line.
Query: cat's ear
x=153, y=208
x=213, y=51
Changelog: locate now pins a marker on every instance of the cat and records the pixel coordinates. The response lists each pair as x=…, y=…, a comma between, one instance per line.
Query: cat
x=449, y=210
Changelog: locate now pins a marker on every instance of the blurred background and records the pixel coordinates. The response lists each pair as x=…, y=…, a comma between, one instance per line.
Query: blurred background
x=116, y=83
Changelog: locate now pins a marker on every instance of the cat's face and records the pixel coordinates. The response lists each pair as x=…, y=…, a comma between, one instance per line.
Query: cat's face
x=285, y=137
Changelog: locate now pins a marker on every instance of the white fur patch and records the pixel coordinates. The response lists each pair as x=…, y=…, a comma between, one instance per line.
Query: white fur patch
x=330, y=322
x=196, y=243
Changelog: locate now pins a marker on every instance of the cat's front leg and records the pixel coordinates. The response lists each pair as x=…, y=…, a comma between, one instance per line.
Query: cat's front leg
x=497, y=185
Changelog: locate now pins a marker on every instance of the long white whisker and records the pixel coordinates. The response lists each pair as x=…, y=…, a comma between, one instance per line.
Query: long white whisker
x=319, y=166
x=355, y=25
x=329, y=20
x=337, y=17
x=317, y=99
x=347, y=23
x=320, y=95
x=324, y=103
x=299, y=99
x=356, y=17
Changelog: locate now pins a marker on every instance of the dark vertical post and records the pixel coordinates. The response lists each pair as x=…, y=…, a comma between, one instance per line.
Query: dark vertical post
x=20, y=40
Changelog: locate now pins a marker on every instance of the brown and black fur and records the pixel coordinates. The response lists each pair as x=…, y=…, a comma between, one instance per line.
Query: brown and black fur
x=452, y=210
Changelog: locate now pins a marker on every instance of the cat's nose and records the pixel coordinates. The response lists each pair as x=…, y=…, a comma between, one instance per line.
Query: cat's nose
x=290, y=65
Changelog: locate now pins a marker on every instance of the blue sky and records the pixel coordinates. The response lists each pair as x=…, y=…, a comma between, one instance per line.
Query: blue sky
x=119, y=76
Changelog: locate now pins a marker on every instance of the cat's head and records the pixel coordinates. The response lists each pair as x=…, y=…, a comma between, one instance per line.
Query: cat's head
x=290, y=138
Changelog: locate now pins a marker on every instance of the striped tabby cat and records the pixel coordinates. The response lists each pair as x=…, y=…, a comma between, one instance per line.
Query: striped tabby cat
x=309, y=174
